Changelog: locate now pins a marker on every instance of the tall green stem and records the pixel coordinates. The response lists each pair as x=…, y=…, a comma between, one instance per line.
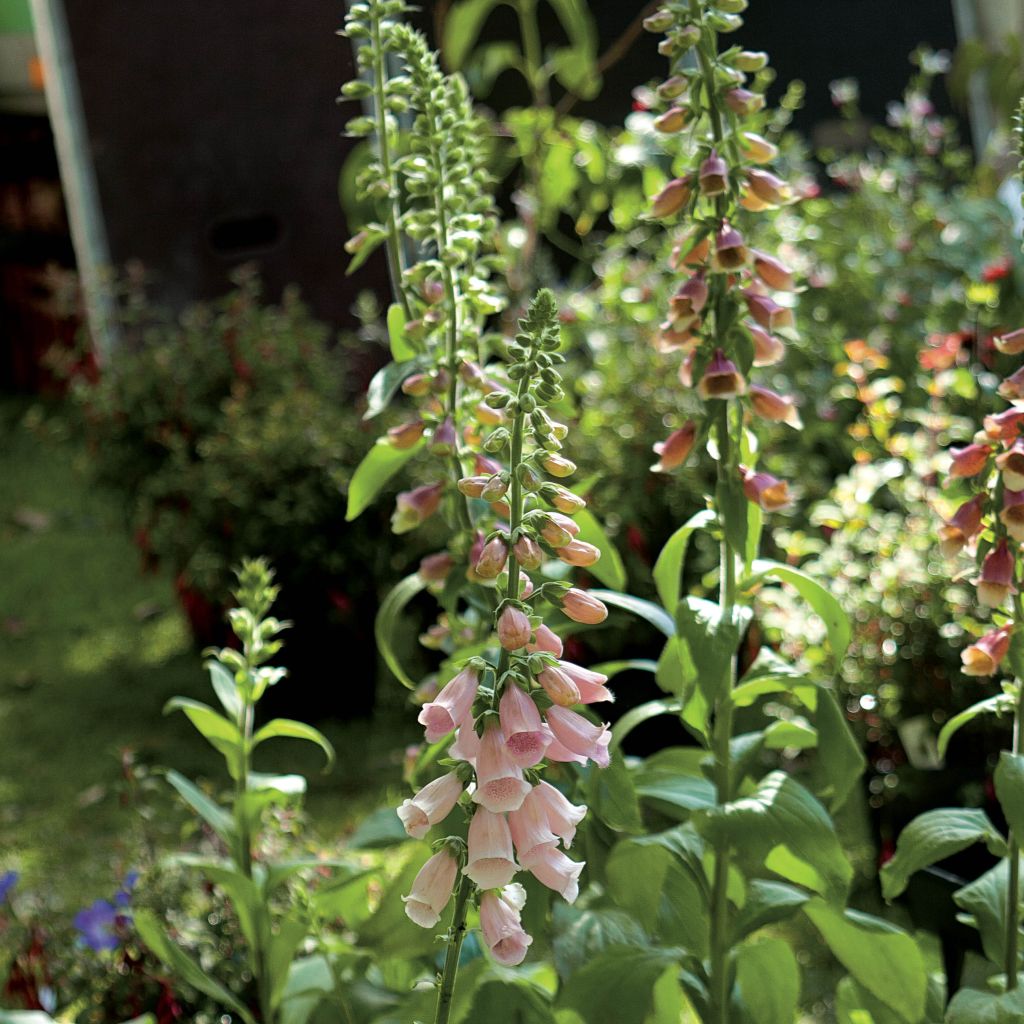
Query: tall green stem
x=456, y=934
x=1013, y=885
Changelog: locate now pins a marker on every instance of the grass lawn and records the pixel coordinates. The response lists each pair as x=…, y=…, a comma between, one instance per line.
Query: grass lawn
x=90, y=649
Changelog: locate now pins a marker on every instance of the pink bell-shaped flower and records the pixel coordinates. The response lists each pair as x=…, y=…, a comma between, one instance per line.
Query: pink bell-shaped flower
x=675, y=449
x=589, y=684
x=500, y=785
x=491, y=861
x=431, y=889
x=502, y=927
x=522, y=726
x=995, y=583
x=982, y=658
x=451, y=707
x=962, y=527
x=582, y=607
x=721, y=379
x=432, y=804
x=575, y=733
x=554, y=869
x=562, y=815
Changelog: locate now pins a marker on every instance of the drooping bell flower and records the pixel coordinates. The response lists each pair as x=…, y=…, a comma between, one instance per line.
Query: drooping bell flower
x=768, y=350
x=1012, y=514
x=554, y=869
x=444, y=439
x=513, y=628
x=765, y=490
x=452, y=706
x=969, y=460
x=562, y=754
x=689, y=252
x=982, y=658
x=562, y=815
x=995, y=583
x=672, y=198
x=673, y=120
x=1005, y=425
x=962, y=527
x=578, y=553
x=435, y=568
x=582, y=607
x=433, y=803
x=466, y=745
x=743, y=101
x=768, y=188
x=1011, y=344
x=492, y=559
x=773, y=271
x=529, y=828
x=500, y=785
x=405, y=435
x=688, y=302
x=491, y=861
x=772, y=406
x=1012, y=389
x=558, y=686
x=486, y=466
x=721, y=379
x=502, y=927
x=558, y=529
x=589, y=683
x=528, y=552
x=766, y=311
x=1011, y=465
x=757, y=148
x=668, y=339
x=575, y=733
x=713, y=177
x=432, y=889
x=675, y=449
x=415, y=506
x=522, y=727
x=730, y=250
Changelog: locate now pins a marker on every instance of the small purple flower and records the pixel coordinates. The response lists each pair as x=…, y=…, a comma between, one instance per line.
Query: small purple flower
x=123, y=896
x=8, y=880
x=96, y=926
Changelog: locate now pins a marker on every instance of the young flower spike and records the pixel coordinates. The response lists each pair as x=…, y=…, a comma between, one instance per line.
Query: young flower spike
x=501, y=925
x=522, y=727
x=491, y=862
x=964, y=525
x=983, y=657
x=432, y=804
x=431, y=889
x=500, y=785
x=995, y=583
x=721, y=379
x=675, y=449
x=452, y=706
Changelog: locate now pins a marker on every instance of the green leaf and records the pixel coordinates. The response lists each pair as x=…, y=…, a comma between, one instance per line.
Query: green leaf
x=766, y=902
x=388, y=624
x=309, y=982
x=755, y=526
x=489, y=61
x=881, y=957
x=768, y=977
x=732, y=504
x=771, y=673
x=646, y=610
x=984, y=900
x=152, y=934
x=379, y=465
x=509, y=1000
x=462, y=25
x=287, y=728
x=1009, y=779
x=617, y=985
x=640, y=714
x=997, y=705
x=932, y=837
x=388, y=932
x=668, y=569
x=224, y=686
x=795, y=733
x=402, y=349
x=212, y=813
x=970, y=1006
x=378, y=830
x=613, y=799
x=245, y=895
x=840, y=755
x=817, y=596
x=387, y=380
x=1015, y=655
x=856, y=1005
x=712, y=643
x=221, y=734
x=581, y=934
x=284, y=942
x=784, y=827
x=609, y=568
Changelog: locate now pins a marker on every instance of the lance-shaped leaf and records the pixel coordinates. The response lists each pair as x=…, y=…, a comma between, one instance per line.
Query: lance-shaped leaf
x=1000, y=704
x=379, y=465
x=646, y=610
x=984, y=901
x=668, y=569
x=389, y=625
x=766, y=903
x=840, y=756
x=402, y=349
x=287, y=728
x=212, y=813
x=386, y=382
x=712, y=642
x=220, y=733
x=612, y=797
x=1009, y=779
x=970, y=1006
x=768, y=977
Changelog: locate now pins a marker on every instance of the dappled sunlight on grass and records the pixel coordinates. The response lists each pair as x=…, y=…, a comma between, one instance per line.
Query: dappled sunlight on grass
x=148, y=644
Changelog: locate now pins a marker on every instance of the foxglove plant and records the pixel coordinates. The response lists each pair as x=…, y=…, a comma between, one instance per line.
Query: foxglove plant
x=985, y=482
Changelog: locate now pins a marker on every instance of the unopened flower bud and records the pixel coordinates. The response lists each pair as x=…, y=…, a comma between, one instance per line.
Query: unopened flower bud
x=472, y=486
x=672, y=198
x=765, y=490
x=721, y=379
x=582, y=607
x=983, y=657
x=417, y=385
x=673, y=120
x=357, y=242
x=578, y=553
x=750, y=61
x=444, y=439
x=513, y=628
x=768, y=188
x=558, y=530
x=673, y=87
x=405, y=435
x=432, y=291
x=562, y=499
x=415, y=506
x=558, y=465
x=757, y=148
x=559, y=687
x=713, y=177
x=743, y=101
x=494, y=489
x=995, y=583
x=660, y=21
x=675, y=449
x=435, y=568
x=772, y=406
x=492, y=559
x=546, y=640
x=528, y=553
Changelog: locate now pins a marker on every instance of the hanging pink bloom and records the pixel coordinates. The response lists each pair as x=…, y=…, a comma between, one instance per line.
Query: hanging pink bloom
x=486, y=466
x=435, y=568
x=688, y=252
x=766, y=311
x=1011, y=464
x=1012, y=389
x=558, y=686
x=562, y=815
x=444, y=439
x=452, y=706
x=772, y=271
x=529, y=828
x=582, y=607
x=964, y=525
x=513, y=628
x=673, y=120
x=768, y=350
x=1005, y=426
x=1011, y=344
x=730, y=250
x=562, y=754
x=1012, y=514
x=500, y=785
x=995, y=583
x=492, y=559
x=552, y=868
x=491, y=862
x=575, y=733
x=757, y=148
x=415, y=506
x=969, y=460
x=713, y=177
x=982, y=658
x=433, y=803
x=686, y=305
x=721, y=379
x=579, y=553
x=765, y=490
x=432, y=889
x=675, y=449
x=558, y=529
x=589, y=684
x=522, y=727
x=769, y=189
x=772, y=406
x=501, y=925
x=546, y=640
x=466, y=745
x=672, y=198
x=405, y=435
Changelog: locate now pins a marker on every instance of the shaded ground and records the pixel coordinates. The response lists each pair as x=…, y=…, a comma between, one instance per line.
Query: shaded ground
x=90, y=649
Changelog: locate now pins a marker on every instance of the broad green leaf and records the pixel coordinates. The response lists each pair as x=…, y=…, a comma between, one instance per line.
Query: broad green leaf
x=511, y=1000
x=856, y=1005
x=732, y=504
x=223, y=683
x=771, y=673
x=309, y=982
x=881, y=957
x=609, y=568
x=755, y=526
x=932, y=837
x=579, y=935
x=712, y=643
x=183, y=966
x=783, y=826
x=389, y=623
x=1009, y=779
x=617, y=985
x=212, y=813
x=386, y=381
x=613, y=799
x=378, y=830
x=970, y=1006
x=379, y=465
x=984, y=900
x=815, y=594
x=997, y=705
x=402, y=349
x=768, y=977
x=839, y=754
x=668, y=569
x=245, y=895
x=280, y=952
x=675, y=672
x=287, y=728
x=647, y=610
x=221, y=734
x=672, y=782
x=766, y=903
x=795, y=733
x=462, y=25
x=670, y=1002
x=640, y=714
x=388, y=932
x=489, y=61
